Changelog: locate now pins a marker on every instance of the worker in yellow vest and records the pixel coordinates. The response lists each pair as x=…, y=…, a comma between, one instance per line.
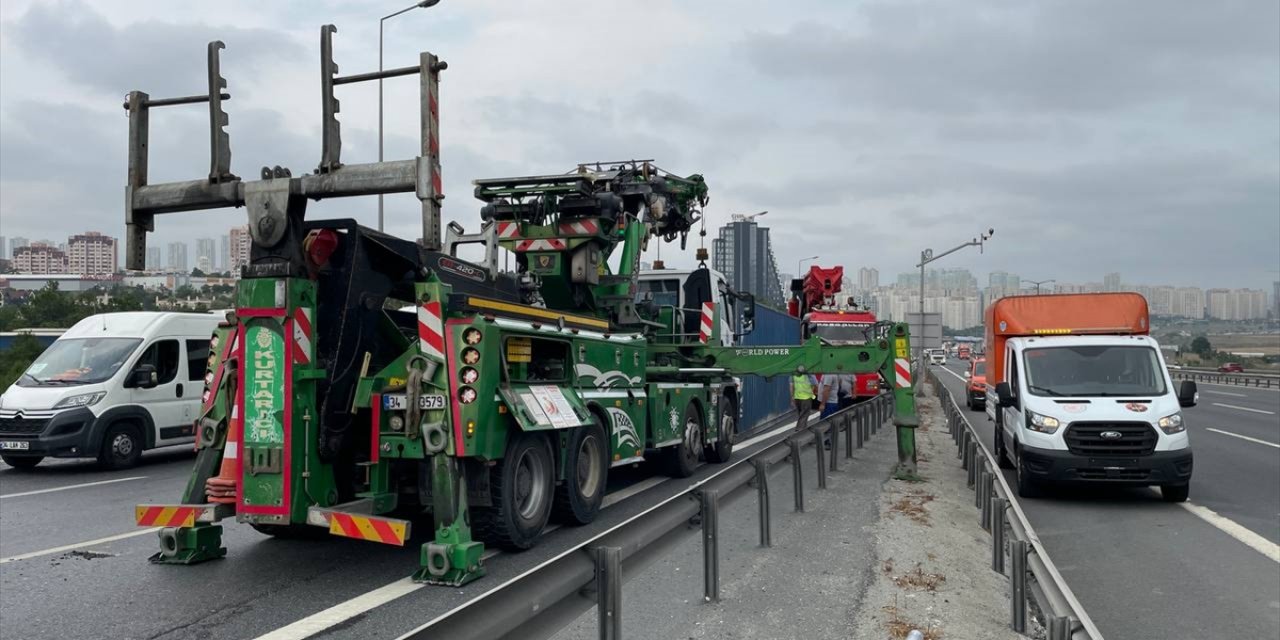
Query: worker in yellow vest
x=802, y=396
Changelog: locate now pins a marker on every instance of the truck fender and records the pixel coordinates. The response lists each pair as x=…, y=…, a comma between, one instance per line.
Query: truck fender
x=125, y=412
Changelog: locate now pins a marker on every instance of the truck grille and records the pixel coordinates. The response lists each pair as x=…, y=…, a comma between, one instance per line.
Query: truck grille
x=1136, y=439
x=22, y=426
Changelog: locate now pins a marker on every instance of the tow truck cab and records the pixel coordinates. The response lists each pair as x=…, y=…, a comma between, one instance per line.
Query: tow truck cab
x=1079, y=393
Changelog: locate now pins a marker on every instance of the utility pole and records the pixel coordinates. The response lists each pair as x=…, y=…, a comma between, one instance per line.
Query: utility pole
x=800, y=264
x=420, y=5
x=1037, y=283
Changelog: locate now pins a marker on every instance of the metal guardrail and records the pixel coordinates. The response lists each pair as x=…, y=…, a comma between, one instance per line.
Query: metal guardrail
x=1264, y=381
x=547, y=598
x=1031, y=573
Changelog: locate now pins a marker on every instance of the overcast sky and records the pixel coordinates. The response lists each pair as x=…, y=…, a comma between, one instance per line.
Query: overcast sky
x=1136, y=136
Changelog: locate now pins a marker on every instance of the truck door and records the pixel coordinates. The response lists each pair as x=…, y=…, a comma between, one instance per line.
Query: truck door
x=1011, y=417
x=165, y=401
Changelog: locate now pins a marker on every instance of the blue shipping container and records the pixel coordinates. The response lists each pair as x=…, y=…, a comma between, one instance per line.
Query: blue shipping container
x=763, y=398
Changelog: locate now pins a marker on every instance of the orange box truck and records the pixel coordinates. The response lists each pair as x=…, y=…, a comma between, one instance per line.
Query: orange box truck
x=1079, y=393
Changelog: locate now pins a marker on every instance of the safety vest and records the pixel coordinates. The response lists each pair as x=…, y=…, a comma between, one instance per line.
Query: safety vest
x=803, y=388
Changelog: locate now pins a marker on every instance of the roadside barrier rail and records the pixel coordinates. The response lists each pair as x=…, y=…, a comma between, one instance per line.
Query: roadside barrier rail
x=1032, y=575
x=1264, y=381
x=543, y=600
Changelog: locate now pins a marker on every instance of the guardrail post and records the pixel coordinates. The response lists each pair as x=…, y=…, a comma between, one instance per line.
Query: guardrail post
x=979, y=486
x=988, y=486
x=1060, y=628
x=1018, y=582
x=964, y=446
x=797, y=474
x=997, y=534
x=833, y=428
x=848, y=434
x=971, y=457
x=762, y=500
x=710, y=545
x=609, y=592
x=860, y=427
x=818, y=448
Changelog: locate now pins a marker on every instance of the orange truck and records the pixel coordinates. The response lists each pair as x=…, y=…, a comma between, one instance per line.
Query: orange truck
x=1079, y=393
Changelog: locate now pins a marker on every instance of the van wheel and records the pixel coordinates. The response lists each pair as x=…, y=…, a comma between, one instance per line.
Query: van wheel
x=586, y=471
x=121, y=447
x=521, y=485
x=722, y=450
x=1175, y=492
x=682, y=459
x=1002, y=451
x=1027, y=486
x=21, y=463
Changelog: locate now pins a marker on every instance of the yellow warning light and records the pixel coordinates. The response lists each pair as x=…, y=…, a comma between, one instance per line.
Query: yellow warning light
x=1052, y=332
x=471, y=428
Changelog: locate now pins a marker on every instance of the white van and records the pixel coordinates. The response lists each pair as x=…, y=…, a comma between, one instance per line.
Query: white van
x=113, y=385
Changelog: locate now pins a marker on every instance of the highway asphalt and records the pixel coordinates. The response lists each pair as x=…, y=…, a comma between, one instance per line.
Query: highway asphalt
x=72, y=563
x=1144, y=568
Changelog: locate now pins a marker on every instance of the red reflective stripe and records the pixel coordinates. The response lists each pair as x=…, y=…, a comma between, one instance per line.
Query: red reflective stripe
x=385, y=532
x=149, y=517
x=344, y=522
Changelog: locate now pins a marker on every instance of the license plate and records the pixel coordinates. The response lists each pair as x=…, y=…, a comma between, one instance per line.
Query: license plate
x=15, y=445
x=398, y=402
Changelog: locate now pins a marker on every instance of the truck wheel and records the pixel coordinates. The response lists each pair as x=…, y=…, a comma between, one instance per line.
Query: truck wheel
x=121, y=446
x=586, y=470
x=521, y=485
x=1002, y=451
x=682, y=459
x=722, y=450
x=1027, y=486
x=21, y=462
x=1175, y=492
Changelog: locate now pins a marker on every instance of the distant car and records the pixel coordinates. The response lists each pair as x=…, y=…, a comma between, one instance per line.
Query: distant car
x=938, y=356
x=1231, y=367
x=975, y=393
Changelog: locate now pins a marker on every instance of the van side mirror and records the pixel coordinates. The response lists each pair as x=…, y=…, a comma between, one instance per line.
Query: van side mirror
x=1188, y=394
x=1005, y=395
x=143, y=377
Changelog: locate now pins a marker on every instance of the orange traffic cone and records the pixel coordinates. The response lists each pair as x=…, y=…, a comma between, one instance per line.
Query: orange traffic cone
x=222, y=487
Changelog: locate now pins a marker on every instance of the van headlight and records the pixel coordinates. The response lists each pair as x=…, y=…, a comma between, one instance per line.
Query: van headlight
x=1042, y=423
x=1171, y=424
x=82, y=400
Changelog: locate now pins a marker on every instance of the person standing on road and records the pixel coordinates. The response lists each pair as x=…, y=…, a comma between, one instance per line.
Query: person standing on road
x=829, y=394
x=848, y=385
x=802, y=396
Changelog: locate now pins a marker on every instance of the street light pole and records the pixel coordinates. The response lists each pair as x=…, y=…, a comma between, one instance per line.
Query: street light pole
x=1037, y=283
x=926, y=257
x=419, y=5
x=800, y=265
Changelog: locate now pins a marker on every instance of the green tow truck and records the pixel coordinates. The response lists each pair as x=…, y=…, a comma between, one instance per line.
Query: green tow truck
x=365, y=382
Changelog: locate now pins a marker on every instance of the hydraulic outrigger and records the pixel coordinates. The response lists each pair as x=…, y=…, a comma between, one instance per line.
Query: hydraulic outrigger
x=498, y=400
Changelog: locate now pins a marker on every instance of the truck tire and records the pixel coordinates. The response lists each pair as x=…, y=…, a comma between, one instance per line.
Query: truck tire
x=1027, y=486
x=1175, y=492
x=722, y=449
x=682, y=459
x=1002, y=451
x=586, y=471
x=21, y=463
x=121, y=446
x=522, y=487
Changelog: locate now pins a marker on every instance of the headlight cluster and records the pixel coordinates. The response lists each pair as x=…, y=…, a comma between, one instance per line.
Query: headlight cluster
x=82, y=400
x=1171, y=424
x=1042, y=423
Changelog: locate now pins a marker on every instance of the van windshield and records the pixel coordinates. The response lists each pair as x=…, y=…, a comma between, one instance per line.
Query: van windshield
x=1094, y=371
x=78, y=361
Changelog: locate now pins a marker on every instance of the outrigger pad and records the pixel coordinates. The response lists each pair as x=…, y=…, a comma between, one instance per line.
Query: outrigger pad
x=190, y=545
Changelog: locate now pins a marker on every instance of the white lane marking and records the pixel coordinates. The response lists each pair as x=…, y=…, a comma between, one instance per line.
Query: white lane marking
x=1236, y=435
x=1232, y=406
x=958, y=376
x=1235, y=530
x=1227, y=393
x=70, y=486
x=343, y=611
x=77, y=545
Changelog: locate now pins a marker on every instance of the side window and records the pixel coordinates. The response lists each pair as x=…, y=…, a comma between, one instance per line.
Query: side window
x=197, y=359
x=163, y=355
x=1013, y=374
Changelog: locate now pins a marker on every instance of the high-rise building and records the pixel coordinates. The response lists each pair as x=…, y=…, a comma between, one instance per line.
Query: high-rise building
x=868, y=279
x=91, y=254
x=15, y=243
x=239, y=245
x=744, y=254
x=1188, y=302
x=1111, y=282
x=153, y=259
x=224, y=256
x=4, y=248
x=39, y=258
x=205, y=254
x=178, y=257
